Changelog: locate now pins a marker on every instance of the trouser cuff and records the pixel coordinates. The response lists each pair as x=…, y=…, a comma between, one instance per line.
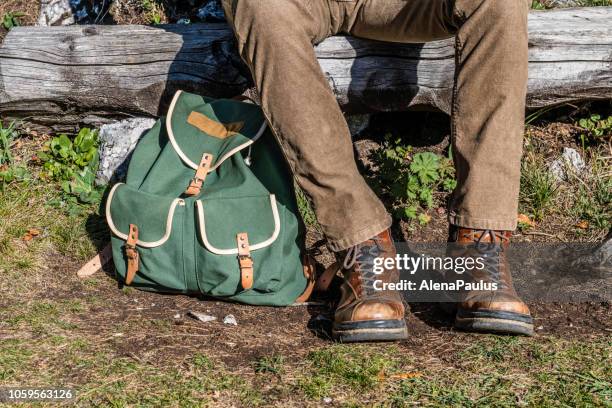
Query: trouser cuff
x=499, y=224
x=351, y=239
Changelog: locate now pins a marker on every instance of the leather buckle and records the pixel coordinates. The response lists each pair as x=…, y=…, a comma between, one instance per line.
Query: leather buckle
x=130, y=251
x=245, y=261
x=195, y=186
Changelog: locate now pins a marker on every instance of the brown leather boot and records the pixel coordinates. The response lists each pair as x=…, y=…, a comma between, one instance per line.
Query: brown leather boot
x=363, y=312
x=501, y=310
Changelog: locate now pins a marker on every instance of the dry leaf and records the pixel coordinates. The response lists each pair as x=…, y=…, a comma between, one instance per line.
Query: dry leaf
x=583, y=225
x=32, y=232
x=524, y=219
x=404, y=376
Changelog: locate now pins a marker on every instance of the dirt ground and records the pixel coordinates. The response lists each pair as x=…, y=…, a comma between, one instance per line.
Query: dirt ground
x=290, y=330
x=112, y=344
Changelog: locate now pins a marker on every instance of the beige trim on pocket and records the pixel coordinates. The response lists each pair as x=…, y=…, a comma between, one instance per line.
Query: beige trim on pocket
x=234, y=251
x=124, y=236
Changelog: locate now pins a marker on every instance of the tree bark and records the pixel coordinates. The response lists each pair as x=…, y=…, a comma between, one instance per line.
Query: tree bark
x=58, y=77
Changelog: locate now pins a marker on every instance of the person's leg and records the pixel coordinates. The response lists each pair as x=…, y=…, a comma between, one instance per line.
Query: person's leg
x=487, y=128
x=489, y=93
x=275, y=38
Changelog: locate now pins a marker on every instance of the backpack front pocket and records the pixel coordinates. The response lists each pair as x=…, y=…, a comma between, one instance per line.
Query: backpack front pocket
x=159, y=246
x=222, y=222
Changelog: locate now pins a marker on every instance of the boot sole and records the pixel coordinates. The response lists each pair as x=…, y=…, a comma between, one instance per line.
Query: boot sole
x=370, y=330
x=490, y=321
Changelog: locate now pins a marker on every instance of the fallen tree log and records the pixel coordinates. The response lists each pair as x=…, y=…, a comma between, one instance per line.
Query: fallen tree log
x=61, y=76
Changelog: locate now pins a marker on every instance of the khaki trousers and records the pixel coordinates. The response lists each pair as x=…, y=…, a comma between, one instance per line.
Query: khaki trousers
x=275, y=39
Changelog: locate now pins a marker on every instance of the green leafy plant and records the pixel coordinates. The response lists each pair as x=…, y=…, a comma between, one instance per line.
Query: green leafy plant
x=9, y=174
x=594, y=129
x=11, y=19
x=73, y=163
x=8, y=170
x=412, y=180
x=154, y=11
x=537, y=5
x=7, y=136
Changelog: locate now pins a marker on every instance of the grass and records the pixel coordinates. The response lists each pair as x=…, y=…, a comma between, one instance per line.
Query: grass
x=270, y=364
x=490, y=371
x=347, y=368
x=538, y=187
x=22, y=207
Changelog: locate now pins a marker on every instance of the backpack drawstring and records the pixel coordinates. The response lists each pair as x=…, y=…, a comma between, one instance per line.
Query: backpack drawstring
x=247, y=160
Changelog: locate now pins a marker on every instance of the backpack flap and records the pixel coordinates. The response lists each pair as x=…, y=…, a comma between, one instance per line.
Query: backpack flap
x=221, y=128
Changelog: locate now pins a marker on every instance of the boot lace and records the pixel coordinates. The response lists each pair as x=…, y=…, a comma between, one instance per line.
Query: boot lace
x=491, y=252
x=363, y=256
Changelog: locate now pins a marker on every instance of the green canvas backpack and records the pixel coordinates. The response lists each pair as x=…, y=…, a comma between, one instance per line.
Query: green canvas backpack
x=209, y=208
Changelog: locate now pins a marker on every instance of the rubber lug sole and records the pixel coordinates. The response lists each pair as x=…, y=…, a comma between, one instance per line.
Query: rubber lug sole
x=370, y=330
x=489, y=321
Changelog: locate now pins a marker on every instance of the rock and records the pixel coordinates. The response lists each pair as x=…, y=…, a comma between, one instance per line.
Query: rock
x=117, y=141
x=358, y=123
x=201, y=316
x=600, y=259
x=67, y=12
x=327, y=400
x=569, y=160
x=230, y=319
x=212, y=11
x=604, y=251
x=55, y=13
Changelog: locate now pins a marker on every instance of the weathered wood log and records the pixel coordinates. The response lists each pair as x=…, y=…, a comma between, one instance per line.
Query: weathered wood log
x=61, y=76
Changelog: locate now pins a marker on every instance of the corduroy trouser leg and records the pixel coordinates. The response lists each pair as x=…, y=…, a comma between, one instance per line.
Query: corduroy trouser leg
x=276, y=38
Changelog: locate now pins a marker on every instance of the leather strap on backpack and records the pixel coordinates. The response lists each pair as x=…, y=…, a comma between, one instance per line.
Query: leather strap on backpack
x=97, y=262
x=245, y=261
x=327, y=277
x=310, y=274
x=132, y=255
x=198, y=180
